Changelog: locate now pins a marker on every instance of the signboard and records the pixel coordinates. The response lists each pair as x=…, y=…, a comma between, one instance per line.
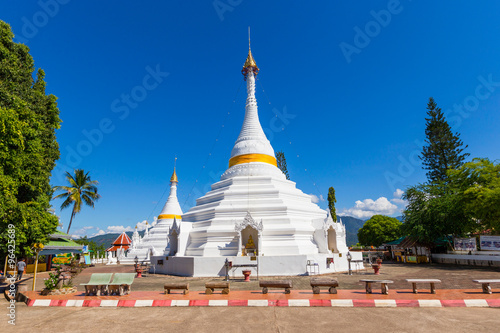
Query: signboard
x=87, y=259
x=62, y=258
x=465, y=244
x=490, y=243
x=85, y=249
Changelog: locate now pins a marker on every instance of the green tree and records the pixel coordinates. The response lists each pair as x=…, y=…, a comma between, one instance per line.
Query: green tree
x=92, y=245
x=379, y=229
x=438, y=208
x=281, y=162
x=28, y=148
x=331, y=203
x=434, y=211
x=443, y=149
x=81, y=190
x=477, y=183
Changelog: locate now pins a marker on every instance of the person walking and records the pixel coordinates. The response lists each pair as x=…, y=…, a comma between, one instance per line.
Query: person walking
x=21, y=265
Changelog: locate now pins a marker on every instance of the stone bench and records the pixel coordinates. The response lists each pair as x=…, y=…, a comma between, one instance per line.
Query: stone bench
x=431, y=281
x=383, y=284
x=486, y=284
x=211, y=286
x=316, y=283
x=176, y=285
x=287, y=284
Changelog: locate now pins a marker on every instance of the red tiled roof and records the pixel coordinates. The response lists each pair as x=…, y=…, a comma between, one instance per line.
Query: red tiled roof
x=116, y=248
x=123, y=239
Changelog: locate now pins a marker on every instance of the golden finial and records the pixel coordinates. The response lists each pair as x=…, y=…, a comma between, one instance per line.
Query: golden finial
x=250, y=62
x=174, y=179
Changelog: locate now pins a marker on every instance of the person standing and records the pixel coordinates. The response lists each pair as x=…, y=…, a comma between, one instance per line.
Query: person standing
x=21, y=265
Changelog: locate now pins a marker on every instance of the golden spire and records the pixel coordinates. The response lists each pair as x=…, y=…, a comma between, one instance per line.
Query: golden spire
x=250, y=62
x=174, y=179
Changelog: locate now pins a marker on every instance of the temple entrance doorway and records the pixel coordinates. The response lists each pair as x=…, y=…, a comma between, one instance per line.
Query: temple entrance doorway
x=250, y=241
x=332, y=240
x=173, y=242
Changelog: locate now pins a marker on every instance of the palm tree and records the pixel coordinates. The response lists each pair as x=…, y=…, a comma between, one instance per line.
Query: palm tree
x=81, y=189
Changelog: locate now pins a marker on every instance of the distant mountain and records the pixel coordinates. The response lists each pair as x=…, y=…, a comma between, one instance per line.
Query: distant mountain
x=352, y=225
x=108, y=239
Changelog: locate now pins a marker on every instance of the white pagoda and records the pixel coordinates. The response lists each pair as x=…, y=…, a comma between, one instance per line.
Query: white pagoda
x=156, y=239
x=254, y=216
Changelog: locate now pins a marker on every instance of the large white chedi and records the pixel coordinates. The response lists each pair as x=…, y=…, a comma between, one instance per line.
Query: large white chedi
x=156, y=239
x=254, y=215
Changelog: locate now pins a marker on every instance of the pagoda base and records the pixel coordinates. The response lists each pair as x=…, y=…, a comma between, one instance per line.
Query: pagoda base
x=267, y=265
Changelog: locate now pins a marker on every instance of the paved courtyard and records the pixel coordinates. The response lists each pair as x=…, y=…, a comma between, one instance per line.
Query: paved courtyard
x=456, y=283
x=452, y=277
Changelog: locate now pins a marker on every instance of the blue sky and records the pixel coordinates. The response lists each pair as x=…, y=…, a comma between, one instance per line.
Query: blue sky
x=342, y=90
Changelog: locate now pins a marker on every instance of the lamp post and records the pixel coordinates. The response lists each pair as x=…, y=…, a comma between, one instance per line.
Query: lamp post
x=38, y=247
x=137, y=269
x=349, y=258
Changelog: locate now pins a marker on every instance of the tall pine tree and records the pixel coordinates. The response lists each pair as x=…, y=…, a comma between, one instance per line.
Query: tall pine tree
x=281, y=163
x=443, y=149
x=331, y=203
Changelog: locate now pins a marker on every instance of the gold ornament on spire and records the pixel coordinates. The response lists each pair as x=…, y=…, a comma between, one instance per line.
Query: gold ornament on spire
x=174, y=179
x=250, y=63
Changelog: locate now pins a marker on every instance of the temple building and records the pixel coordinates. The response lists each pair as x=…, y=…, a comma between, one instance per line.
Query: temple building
x=120, y=245
x=155, y=240
x=253, y=216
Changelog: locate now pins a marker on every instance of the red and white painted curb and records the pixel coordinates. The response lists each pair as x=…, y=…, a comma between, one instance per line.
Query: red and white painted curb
x=377, y=303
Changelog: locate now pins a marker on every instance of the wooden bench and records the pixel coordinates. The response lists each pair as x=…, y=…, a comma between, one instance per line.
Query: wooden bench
x=431, y=281
x=324, y=282
x=287, y=284
x=486, y=284
x=383, y=284
x=177, y=285
x=211, y=286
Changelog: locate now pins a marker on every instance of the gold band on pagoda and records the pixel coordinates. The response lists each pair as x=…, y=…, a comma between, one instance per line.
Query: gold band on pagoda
x=169, y=216
x=247, y=158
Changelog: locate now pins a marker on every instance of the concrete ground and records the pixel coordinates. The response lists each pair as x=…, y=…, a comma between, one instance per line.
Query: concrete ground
x=267, y=319
x=254, y=320
x=452, y=277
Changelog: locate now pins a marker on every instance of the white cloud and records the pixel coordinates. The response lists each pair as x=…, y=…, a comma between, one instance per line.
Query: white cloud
x=91, y=231
x=398, y=199
x=398, y=194
x=368, y=207
x=100, y=232
x=81, y=232
x=399, y=202
x=117, y=229
x=142, y=225
x=315, y=199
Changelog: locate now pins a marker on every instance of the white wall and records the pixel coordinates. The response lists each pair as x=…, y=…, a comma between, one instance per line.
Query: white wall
x=463, y=259
x=268, y=265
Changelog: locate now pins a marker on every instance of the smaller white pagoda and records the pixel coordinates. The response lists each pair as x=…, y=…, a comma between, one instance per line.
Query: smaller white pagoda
x=156, y=239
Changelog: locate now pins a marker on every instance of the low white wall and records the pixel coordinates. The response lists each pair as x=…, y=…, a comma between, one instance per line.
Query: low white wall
x=268, y=265
x=464, y=259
